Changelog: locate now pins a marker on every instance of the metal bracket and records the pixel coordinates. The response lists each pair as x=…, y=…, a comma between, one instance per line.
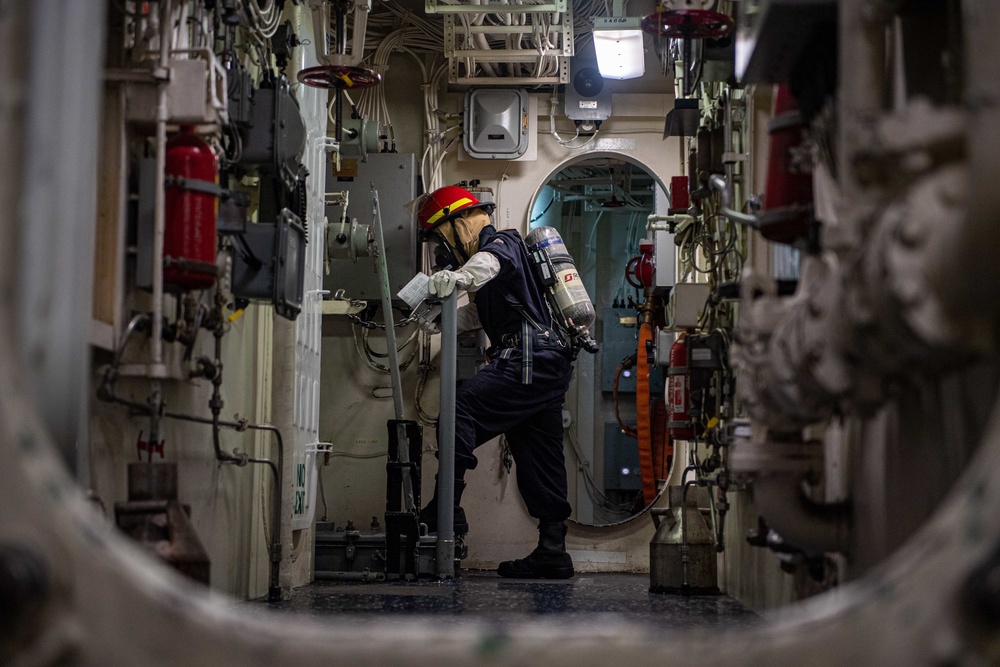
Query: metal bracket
x=195, y=185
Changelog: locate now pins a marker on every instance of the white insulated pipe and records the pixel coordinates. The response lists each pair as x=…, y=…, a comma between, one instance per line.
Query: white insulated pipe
x=157, y=369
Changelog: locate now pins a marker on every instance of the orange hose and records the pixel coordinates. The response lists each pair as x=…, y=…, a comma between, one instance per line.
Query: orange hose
x=642, y=415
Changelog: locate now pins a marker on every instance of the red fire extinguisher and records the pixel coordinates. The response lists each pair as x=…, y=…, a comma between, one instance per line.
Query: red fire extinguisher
x=192, y=204
x=679, y=392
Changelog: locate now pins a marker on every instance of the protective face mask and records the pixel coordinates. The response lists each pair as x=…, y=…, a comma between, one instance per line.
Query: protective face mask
x=444, y=256
x=462, y=233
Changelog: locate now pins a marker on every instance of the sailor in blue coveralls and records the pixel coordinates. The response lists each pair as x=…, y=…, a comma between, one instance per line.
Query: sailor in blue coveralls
x=520, y=392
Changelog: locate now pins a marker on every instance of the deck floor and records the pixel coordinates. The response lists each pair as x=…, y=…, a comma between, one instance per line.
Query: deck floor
x=482, y=596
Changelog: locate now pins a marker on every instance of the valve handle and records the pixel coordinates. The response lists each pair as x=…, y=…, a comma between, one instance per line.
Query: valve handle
x=689, y=24
x=339, y=77
x=630, y=272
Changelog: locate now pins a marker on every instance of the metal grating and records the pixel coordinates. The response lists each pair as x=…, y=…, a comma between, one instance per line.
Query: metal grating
x=499, y=6
x=527, y=64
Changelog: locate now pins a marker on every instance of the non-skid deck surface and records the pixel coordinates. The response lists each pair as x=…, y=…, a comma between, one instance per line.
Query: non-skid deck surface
x=485, y=597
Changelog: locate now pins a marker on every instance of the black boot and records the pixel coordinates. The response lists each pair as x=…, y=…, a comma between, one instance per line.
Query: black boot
x=548, y=561
x=429, y=514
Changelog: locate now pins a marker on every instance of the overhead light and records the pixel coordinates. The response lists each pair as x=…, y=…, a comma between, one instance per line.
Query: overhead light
x=618, y=45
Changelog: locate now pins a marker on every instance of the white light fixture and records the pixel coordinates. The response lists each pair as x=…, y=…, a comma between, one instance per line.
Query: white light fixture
x=618, y=45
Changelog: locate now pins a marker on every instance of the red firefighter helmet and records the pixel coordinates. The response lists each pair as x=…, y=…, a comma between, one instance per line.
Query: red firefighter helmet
x=445, y=203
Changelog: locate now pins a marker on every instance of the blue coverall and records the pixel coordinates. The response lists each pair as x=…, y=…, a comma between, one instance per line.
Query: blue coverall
x=520, y=392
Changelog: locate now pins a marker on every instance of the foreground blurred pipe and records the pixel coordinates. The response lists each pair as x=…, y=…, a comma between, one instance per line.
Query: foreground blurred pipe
x=971, y=295
x=53, y=192
x=860, y=95
x=811, y=526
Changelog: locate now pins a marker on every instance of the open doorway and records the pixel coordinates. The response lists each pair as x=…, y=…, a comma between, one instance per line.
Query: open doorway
x=599, y=203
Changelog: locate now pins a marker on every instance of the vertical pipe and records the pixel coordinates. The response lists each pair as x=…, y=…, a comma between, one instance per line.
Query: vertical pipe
x=159, y=215
x=686, y=77
x=727, y=147
x=390, y=341
x=390, y=331
x=157, y=369
x=274, y=587
x=338, y=118
x=446, y=439
x=685, y=549
x=585, y=432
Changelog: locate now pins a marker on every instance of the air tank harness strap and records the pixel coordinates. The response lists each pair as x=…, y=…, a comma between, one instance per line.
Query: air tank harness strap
x=531, y=332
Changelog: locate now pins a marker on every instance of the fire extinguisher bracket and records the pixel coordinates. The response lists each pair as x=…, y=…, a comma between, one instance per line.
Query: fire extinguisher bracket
x=194, y=184
x=191, y=265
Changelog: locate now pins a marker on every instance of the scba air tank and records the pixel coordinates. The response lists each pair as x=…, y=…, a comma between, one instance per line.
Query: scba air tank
x=570, y=294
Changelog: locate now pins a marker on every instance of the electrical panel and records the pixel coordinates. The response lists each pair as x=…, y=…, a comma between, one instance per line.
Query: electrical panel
x=277, y=137
x=707, y=357
x=269, y=264
x=394, y=175
x=621, y=460
x=620, y=340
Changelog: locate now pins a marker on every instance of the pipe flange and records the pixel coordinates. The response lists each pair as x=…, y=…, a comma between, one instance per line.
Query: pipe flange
x=689, y=24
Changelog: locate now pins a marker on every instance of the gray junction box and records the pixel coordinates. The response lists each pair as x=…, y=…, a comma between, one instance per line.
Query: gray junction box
x=496, y=124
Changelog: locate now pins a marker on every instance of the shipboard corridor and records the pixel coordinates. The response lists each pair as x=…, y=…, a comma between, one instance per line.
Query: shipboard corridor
x=493, y=333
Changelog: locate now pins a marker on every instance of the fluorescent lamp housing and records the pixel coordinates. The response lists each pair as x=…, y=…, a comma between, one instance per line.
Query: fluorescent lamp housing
x=619, y=49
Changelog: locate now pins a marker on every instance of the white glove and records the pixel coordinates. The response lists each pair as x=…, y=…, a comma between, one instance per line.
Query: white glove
x=444, y=282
